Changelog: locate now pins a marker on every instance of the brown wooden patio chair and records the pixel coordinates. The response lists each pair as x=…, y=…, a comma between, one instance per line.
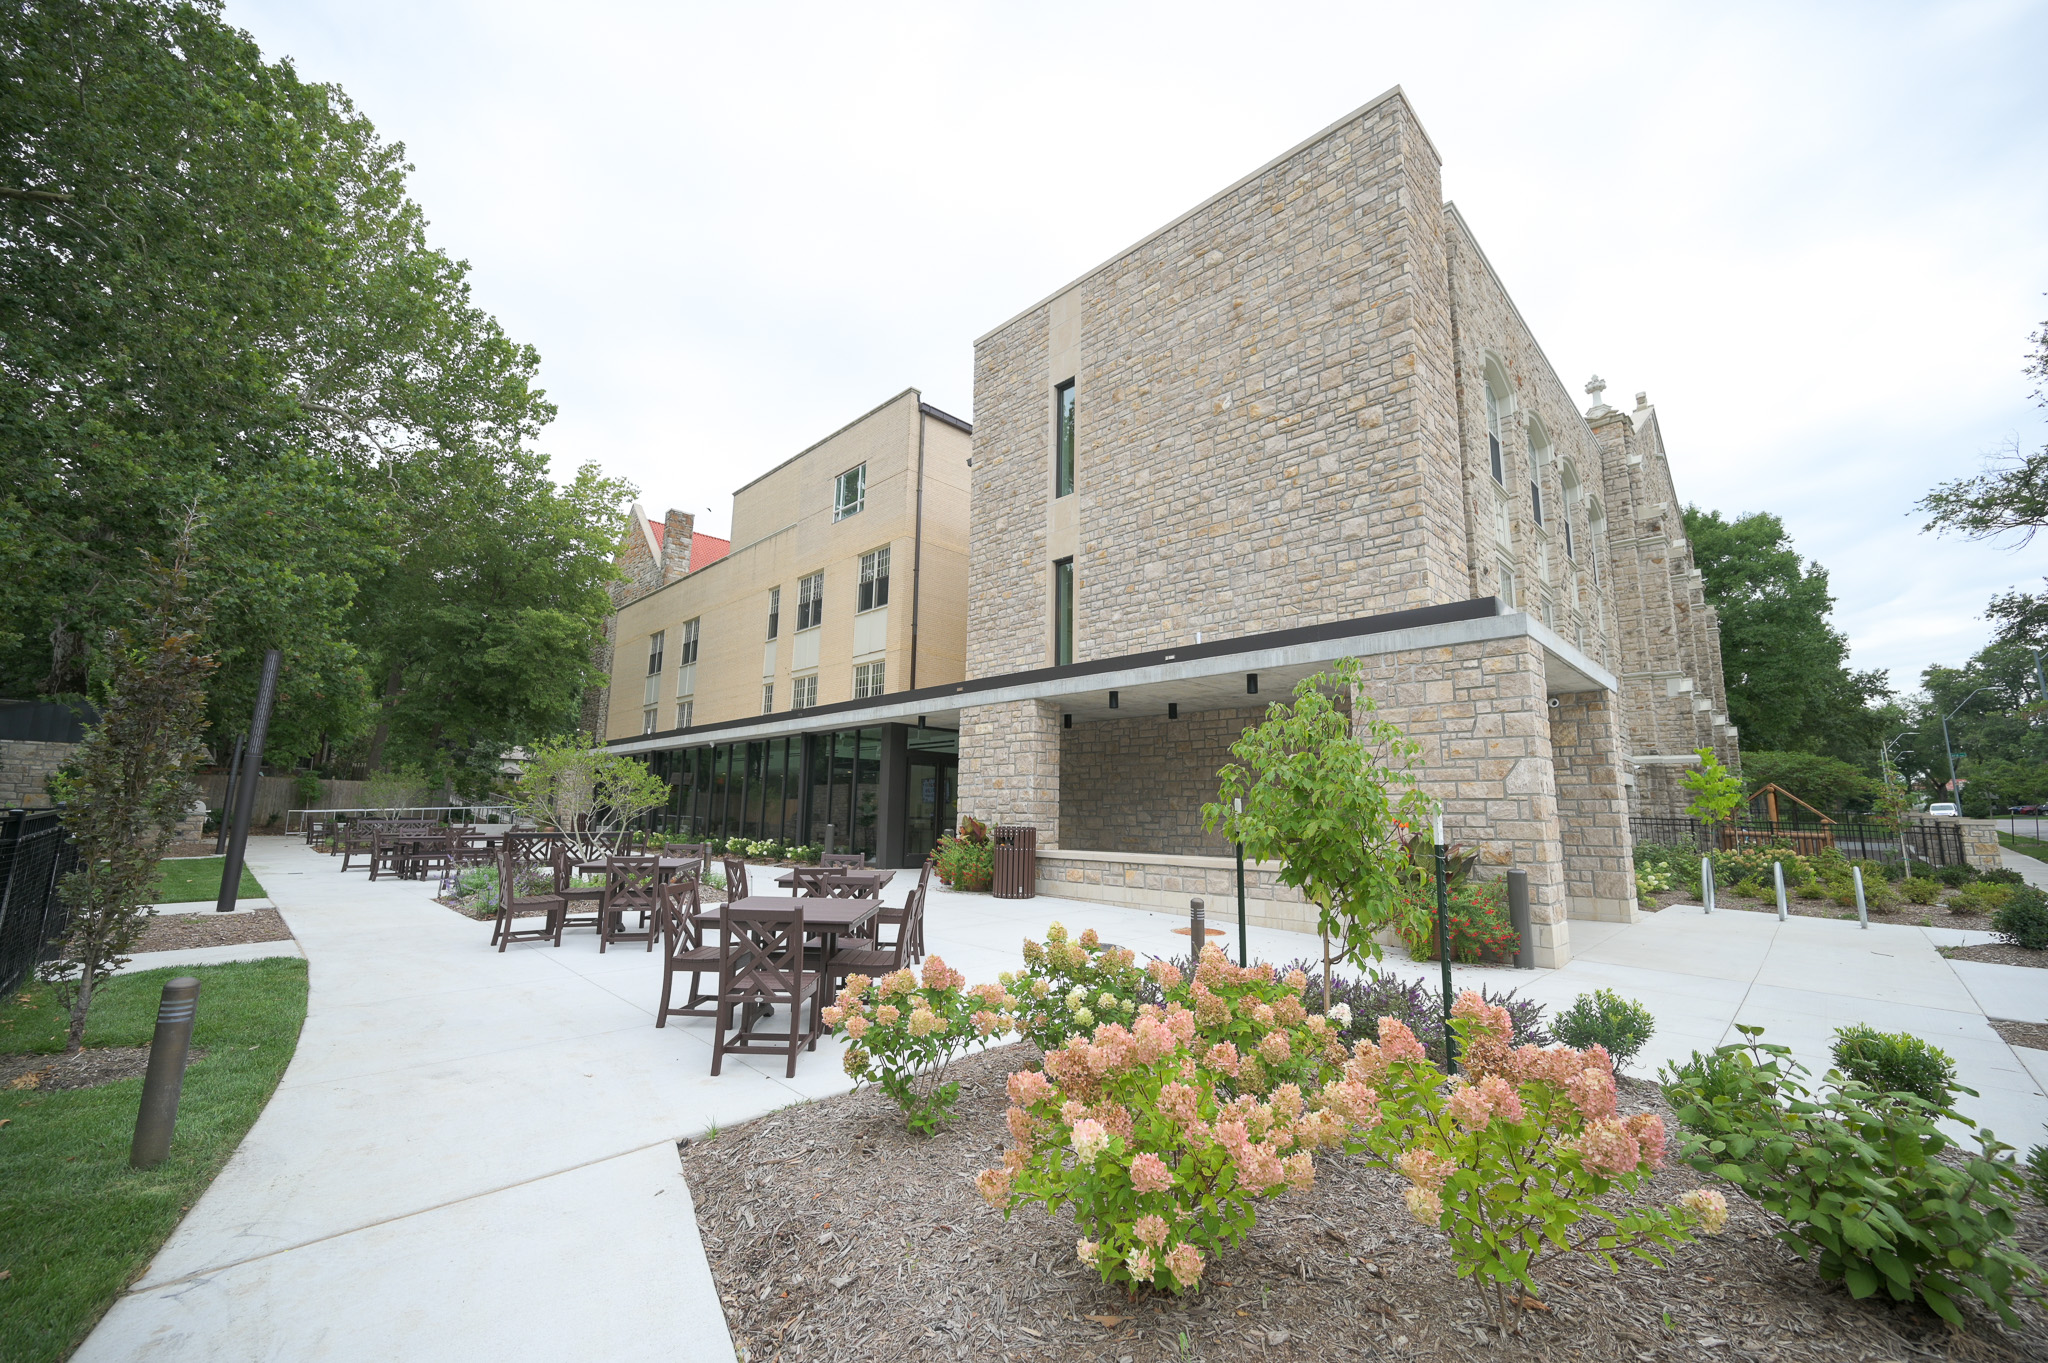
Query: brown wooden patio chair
x=908, y=921
x=359, y=839
x=679, y=910
x=585, y=903
x=856, y=956
x=761, y=966
x=856, y=861
x=512, y=904
x=810, y=882
x=735, y=879
x=629, y=889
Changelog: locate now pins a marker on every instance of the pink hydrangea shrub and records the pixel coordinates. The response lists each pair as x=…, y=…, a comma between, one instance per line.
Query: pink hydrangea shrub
x=906, y=1030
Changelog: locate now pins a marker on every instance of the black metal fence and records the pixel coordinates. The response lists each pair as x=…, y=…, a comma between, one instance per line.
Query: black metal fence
x=1925, y=841
x=34, y=851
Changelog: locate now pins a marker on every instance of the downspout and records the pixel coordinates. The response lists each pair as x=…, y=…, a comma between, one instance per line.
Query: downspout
x=917, y=544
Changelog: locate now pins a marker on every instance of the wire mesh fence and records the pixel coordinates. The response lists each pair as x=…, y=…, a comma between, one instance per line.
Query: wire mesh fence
x=1920, y=841
x=35, y=852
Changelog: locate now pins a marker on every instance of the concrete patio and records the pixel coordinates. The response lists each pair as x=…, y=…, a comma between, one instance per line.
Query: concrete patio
x=472, y=1155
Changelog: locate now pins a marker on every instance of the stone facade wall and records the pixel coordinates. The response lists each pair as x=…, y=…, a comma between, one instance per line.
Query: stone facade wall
x=1658, y=792
x=1138, y=785
x=1010, y=766
x=1481, y=715
x=25, y=767
x=640, y=561
x=1165, y=885
x=1265, y=424
x=1592, y=803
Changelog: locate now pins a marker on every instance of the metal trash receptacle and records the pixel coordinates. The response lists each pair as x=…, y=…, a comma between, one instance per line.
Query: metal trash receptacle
x=1016, y=857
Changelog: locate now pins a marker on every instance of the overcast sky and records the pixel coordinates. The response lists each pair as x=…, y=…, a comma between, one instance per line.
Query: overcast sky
x=1816, y=235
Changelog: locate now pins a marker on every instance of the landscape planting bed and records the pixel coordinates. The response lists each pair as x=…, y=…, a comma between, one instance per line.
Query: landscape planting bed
x=835, y=1234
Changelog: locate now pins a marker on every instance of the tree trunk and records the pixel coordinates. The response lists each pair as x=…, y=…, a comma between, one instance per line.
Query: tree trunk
x=1326, y=973
x=80, y=1006
x=392, y=686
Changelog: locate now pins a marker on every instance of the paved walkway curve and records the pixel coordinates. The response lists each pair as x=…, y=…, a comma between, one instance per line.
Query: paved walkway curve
x=472, y=1155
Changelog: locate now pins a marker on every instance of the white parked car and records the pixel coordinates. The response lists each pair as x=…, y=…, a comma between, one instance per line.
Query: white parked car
x=1944, y=811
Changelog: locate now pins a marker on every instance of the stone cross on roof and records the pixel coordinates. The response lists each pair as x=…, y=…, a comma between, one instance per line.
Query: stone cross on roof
x=1595, y=388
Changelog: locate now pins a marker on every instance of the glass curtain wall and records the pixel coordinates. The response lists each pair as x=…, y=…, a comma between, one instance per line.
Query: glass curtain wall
x=768, y=788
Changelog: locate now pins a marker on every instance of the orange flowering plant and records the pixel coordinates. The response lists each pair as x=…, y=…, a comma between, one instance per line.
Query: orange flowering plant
x=906, y=1032
x=1511, y=1157
x=1161, y=1135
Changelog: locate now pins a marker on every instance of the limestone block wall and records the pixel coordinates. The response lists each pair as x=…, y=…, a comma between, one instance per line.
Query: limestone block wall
x=1166, y=884
x=1599, y=862
x=1481, y=715
x=1265, y=421
x=1138, y=785
x=24, y=769
x=1010, y=766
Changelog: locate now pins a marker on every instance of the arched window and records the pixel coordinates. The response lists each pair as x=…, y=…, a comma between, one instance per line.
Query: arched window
x=1596, y=535
x=1497, y=406
x=1568, y=485
x=1539, y=460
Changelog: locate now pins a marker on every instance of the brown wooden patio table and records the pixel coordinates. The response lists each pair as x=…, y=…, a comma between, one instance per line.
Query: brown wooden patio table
x=668, y=866
x=869, y=883
x=826, y=918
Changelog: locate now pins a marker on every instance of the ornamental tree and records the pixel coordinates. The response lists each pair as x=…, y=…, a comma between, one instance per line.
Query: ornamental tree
x=587, y=793
x=1327, y=792
x=1716, y=791
x=130, y=782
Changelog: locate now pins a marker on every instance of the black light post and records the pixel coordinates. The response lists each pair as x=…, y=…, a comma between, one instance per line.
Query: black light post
x=245, y=794
x=1243, y=956
x=1443, y=935
x=227, y=802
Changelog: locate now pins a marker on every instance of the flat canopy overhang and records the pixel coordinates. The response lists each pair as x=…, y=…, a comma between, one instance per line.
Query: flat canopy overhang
x=1212, y=675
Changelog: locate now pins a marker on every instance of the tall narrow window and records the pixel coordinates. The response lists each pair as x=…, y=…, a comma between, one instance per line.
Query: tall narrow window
x=1536, y=499
x=874, y=579
x=647, y=720
x=1500, y=473
x=690, y=642
x=810, y=601
x=654, y=649
x=1063, y=612
x=767, y=698
x=774, y=610
x=1507, y=586
x=1063, y=438
x=684, y=712
x=867, y=680
x=803, y=693
x=852, y=492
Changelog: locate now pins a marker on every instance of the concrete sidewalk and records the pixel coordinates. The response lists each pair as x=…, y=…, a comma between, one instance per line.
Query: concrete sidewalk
x=472, y=1155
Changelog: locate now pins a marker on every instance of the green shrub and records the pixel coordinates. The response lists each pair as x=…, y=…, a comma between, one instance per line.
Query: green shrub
x=2023, y=921
x=967, y=861
x=1895, y=1062
x=1955, y=877
x=1604, y=1018
x=1877, y=883
x=1818, y=889
x=1754, y=863
x=1867, y=1187
x=1920, y=890
x=2037, y=1172
x=1070, y=986
x=1676, y=865
x=1980, y=898
x=2003, y=875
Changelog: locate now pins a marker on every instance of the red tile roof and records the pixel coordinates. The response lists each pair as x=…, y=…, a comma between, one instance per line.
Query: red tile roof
x=706, y=550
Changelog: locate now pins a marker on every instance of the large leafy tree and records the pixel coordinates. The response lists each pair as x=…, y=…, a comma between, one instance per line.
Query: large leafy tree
x=214, y=291
x=1786, y=667
x=2010, y=497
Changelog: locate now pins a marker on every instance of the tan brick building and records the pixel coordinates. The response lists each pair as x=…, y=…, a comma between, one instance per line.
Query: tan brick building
x=1300, y=422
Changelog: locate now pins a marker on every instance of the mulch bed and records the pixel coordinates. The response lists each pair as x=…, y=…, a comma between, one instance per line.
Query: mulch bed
x=835, y=1234
x=184, y=931
x=1906, y=915
x=1998, y=953
x=2032, y=1035
x=88, y=1069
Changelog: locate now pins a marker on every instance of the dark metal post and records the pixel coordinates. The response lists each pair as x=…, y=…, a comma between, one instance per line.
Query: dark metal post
x=245, y=797
x=1518, y=914
x=158, y=1116
x=1443, y=940
x=1198, y=928
x=1243, y=951
x=227, y=799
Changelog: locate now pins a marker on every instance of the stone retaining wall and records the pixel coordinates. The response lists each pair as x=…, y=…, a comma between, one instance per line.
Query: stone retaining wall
x=24, y=768
x=1166, y=884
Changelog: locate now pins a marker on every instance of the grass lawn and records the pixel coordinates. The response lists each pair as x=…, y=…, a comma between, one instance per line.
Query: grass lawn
x=196, y=880
x=2020, y=842
x=79, y=1223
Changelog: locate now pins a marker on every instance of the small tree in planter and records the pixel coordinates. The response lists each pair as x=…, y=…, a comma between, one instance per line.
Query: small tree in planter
x=1328, y=794
x=131, y=782
x=588, y=794
x=1716, y=791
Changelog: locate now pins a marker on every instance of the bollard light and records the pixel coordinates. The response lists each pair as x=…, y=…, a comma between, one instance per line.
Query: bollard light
x=1862, y=911
x=158, y=1116
x=1778, y=878
x=1707, y=882
x=1198, y=928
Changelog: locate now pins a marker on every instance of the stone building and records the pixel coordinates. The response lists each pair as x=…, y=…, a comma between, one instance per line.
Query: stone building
x=1305, y=421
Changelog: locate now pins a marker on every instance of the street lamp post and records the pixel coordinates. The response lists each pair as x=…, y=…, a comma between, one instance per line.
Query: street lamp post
x=1949, y=749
